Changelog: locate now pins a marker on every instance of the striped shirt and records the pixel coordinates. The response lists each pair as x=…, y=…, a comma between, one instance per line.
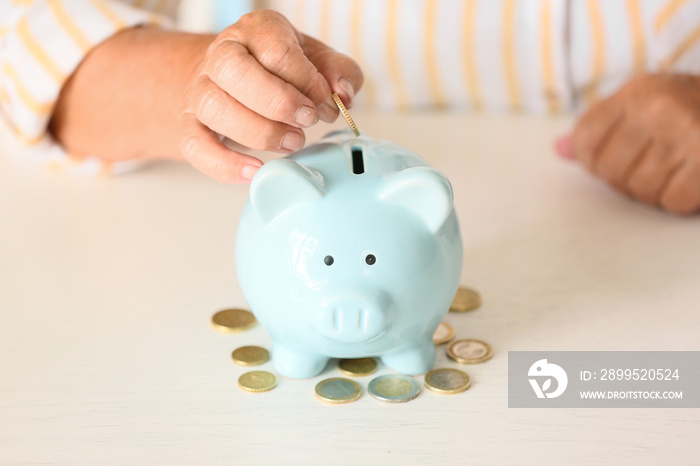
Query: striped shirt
x=535, y=56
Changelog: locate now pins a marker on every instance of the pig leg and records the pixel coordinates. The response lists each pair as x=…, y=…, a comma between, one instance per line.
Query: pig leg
x=296, y=364
x=417, y=357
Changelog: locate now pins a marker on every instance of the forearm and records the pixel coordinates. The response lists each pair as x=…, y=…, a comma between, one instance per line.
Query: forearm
x=125, y=99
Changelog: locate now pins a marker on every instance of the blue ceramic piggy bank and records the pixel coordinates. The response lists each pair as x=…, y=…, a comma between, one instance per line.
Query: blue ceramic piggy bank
x=349, y=248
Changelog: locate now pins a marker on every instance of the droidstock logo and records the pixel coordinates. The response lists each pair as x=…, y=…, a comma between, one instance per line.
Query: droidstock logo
x=542, y=370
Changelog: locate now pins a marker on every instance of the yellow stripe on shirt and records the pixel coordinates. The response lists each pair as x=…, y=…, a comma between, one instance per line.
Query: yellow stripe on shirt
x=356, y=50
x=598, y=64
x=685, y=46
x=325, y=17
x=38, y=52
x=300, y=15
x=393, y=54
x=109, y=14
x=27, y=99
x=430, y=55
x=636, y=25
x=546, y=45
x=509, y=63
x=469, y=55
x=667, y=12
x=69, y=26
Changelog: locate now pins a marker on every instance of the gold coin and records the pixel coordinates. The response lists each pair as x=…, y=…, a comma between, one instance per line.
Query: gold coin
x=345, y=113
x=447, y=381
x=466, y=300
x=257, y=381
x=338, y=390
x=469, y=351
x=393, y=388
x=233, y=320
x=444, y=333
x=250, y=356
x=357, y=367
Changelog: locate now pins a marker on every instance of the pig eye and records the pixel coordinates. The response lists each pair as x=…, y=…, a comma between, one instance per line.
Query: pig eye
x=370, y=259
x=328, y=260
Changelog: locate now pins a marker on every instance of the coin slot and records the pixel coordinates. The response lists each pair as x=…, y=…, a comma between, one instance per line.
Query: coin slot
x=358, y=164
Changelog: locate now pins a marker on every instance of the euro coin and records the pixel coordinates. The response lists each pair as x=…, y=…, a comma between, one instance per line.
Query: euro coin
x=393, y=388
x=250, y=356
x=338, y=390
x=466, y=300
x=444, y=333
x=357, y=367
x=345, y=113
x=469, y=351
x=233, y=320
x=447, y=381
x=257, y=381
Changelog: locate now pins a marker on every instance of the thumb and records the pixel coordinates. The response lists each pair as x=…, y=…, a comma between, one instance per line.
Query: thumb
x=342, y=72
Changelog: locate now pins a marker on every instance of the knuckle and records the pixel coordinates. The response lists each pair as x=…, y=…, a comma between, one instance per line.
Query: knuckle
x=227, y=63
x=282, y=103
x=211, y=106
x=225, y=172
x=277, y=56
x=267, y=138
x=189, y=147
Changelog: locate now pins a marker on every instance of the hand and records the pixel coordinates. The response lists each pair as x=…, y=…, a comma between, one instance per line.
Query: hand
x=259, y=84
x=645, y=141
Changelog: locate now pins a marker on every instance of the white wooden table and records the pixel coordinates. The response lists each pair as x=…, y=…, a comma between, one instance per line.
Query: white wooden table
x=107, y=285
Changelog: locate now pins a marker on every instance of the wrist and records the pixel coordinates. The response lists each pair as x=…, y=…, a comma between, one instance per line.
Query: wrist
x=125, y=98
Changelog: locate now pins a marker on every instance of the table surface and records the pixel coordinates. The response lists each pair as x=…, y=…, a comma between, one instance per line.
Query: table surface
x=108, y=284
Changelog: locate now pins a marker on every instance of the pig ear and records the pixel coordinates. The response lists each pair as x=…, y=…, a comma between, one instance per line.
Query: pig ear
x=281, y=184
x=423, y=190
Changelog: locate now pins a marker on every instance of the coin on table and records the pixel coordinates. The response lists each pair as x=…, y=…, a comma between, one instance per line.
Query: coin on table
x=338, y=390
x=444, y=333
x=345, y=113
x=447, y=381
x=257, y=381
x=250, y=356
x=233, y=320
x=393, y=388
x=469, y=351
x=466, y=300
x=357, y=367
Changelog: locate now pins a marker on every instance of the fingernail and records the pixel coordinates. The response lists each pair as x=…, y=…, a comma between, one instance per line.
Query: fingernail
x=248, y=171
x=346, y=85
x=565, y=147
x=292, y=141
x=326, y=112
x=306, y=116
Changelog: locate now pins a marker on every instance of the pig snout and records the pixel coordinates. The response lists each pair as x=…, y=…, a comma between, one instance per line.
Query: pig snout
x=353, y=319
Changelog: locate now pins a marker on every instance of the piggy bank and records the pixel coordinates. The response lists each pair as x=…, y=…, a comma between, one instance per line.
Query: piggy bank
x=349, y=248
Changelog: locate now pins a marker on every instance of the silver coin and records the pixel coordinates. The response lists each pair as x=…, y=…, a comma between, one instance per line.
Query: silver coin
x=393, y=388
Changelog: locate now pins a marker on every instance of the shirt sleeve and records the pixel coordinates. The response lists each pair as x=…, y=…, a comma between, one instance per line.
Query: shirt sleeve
x=42, y=43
